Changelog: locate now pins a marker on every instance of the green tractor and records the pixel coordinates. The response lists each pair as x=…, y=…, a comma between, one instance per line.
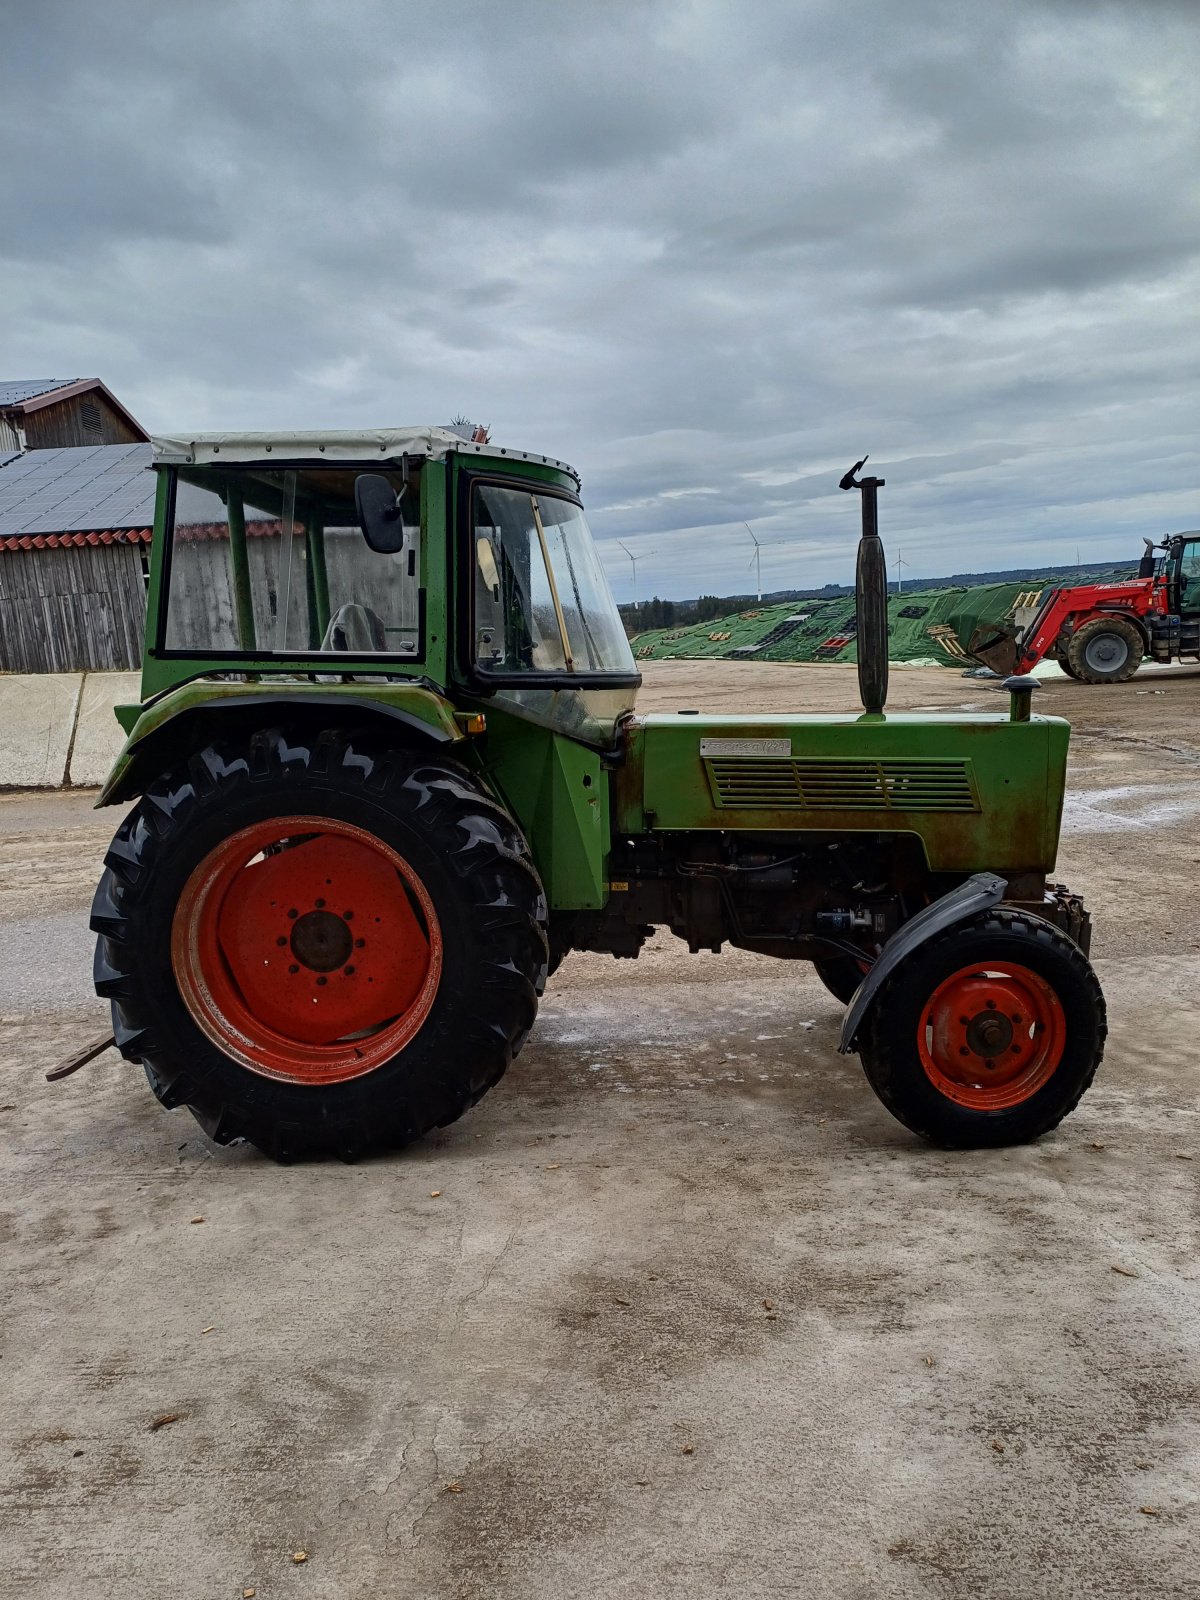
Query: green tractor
x=386, y=772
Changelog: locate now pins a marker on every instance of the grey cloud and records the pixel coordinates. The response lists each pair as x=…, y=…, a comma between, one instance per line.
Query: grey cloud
x=708, y=252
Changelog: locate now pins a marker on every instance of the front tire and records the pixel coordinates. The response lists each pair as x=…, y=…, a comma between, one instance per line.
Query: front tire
x=319, y=944
x=987, y=1035
x=1105, y=650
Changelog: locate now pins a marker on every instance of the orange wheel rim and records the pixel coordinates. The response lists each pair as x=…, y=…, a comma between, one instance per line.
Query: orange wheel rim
x=991, y=1036
x=306, y=949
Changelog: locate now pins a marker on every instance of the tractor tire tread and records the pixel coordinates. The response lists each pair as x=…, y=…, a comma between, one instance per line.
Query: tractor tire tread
x=484, y=853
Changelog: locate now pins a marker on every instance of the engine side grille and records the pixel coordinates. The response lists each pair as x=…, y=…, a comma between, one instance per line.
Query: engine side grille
x=767, y=783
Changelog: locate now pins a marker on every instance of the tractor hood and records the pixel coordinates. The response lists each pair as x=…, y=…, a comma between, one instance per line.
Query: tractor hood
x=974, y=788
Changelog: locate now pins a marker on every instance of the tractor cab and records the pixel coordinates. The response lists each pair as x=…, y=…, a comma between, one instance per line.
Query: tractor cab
x=393, y=556
x=1181, y=568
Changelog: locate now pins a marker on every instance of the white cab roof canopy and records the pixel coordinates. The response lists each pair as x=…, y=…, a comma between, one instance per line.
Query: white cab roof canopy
x=382, y=444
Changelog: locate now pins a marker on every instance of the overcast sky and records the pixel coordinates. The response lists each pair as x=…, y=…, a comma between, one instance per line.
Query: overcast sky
x=707, y=252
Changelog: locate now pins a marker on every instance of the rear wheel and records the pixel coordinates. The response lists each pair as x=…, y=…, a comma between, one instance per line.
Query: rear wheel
x=1105, y=650
x=319, y=945
x=987, y=1035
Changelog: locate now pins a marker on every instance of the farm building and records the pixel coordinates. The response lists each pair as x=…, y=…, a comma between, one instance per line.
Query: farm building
x=75, y=526
x=48, y=413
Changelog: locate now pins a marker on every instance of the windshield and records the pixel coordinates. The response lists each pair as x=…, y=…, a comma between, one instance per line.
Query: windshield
x=542, y=603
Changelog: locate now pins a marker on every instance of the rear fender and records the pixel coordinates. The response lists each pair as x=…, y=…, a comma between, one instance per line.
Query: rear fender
x=979, y=893
x=169, y=729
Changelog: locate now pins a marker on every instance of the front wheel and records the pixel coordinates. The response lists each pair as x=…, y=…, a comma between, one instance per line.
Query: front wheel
x=988, y=1034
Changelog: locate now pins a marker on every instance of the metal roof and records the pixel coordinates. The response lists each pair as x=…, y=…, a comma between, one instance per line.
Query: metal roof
x=14, y=390
x=93, y=487
x=380, y=444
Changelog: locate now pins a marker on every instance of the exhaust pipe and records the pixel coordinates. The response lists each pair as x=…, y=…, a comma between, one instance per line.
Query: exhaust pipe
x=870, y=594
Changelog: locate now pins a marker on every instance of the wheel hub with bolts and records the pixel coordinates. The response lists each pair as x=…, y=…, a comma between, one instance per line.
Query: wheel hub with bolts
x=307, y=949
x=990, y=1034
x=321, y=940
x=1106, y=652
x=991, y=1037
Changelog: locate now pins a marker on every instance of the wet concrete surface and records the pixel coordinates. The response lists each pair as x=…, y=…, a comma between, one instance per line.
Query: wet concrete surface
x=688, y=1313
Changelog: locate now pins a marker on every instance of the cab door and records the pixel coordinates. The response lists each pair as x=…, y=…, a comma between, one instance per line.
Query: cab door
x=1187, y=581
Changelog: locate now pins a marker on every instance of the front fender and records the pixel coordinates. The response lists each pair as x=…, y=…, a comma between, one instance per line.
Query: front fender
x=980, y=892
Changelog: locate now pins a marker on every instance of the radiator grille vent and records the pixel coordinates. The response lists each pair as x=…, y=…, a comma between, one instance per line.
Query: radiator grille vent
x=770, y=784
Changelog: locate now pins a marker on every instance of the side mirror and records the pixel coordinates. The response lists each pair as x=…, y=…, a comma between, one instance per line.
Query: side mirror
x=378, y=507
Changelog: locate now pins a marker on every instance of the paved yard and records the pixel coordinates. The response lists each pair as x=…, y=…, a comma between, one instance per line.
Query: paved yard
x=677, y=1310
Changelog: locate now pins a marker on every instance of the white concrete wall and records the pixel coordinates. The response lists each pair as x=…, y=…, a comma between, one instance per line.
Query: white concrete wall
x=98, y=734
x=58, y=729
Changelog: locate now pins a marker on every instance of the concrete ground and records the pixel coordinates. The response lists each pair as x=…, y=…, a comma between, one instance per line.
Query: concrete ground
x=677, y=1310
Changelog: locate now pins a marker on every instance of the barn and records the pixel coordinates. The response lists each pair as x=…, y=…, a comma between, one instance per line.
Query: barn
x=76, y=509
x=75, y=527
x=45, y=413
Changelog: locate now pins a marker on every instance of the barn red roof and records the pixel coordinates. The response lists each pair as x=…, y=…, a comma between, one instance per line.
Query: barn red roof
x=59, y=541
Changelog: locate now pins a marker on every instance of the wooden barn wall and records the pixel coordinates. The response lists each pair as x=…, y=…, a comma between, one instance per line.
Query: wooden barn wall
x=78, y=609
x=62, y=424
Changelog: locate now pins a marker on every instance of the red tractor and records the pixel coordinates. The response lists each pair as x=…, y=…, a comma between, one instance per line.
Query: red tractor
x=1100, y=632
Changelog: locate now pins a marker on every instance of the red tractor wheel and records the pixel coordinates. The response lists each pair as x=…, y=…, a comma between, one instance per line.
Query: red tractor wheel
x=306, y=949
x=992, y=1035
x=319, y=946
x=987, y=1035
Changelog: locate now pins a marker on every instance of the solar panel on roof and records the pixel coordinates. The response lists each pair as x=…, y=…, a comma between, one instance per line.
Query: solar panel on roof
x=74, y=490
x=14, y=390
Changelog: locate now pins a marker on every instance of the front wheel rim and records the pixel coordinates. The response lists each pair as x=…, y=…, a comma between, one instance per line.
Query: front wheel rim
x=992, y=1035
x=1107, y=652
x=307, y=949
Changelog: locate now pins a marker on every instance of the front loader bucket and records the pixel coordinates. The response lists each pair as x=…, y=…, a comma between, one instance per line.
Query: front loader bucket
x=996, y=646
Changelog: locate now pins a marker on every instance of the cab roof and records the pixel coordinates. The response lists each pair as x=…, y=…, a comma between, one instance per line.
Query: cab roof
x=381, y=444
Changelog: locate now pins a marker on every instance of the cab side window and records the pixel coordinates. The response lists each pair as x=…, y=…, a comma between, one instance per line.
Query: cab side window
x=268, y=563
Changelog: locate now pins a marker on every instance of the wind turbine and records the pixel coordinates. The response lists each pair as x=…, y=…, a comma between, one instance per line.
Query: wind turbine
x=756, y=558
x=900, y=562
x=635, y=559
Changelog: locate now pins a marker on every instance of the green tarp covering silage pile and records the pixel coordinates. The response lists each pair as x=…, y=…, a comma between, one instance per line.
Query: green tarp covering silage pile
x=928, y=627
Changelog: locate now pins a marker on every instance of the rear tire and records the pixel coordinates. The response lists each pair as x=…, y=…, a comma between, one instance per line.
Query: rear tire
x=987, y=1035
x=1106, y=650
x=440, y=860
